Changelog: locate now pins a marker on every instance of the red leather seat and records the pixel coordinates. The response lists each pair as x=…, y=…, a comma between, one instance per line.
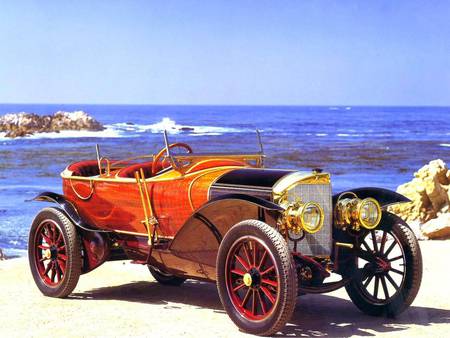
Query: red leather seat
x=146, y=167
x=84, y=168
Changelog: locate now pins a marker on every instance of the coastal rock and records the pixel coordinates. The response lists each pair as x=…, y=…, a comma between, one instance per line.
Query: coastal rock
x=437, y=228
x=429, y=193
x=23, y=124
x=2, y=255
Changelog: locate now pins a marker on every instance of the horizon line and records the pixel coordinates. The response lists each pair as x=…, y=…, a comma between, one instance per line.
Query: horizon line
x=228, y=105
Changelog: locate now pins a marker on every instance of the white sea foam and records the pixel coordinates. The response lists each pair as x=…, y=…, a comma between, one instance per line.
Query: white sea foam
x=174, y=128
x=350, y=135
x=121, y=129
x=444, y=144
x=321, y=134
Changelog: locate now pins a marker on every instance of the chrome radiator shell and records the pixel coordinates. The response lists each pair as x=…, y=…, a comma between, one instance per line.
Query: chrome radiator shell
x=319, y=243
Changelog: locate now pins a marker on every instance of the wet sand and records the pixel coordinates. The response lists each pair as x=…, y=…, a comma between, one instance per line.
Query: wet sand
x=121, y=299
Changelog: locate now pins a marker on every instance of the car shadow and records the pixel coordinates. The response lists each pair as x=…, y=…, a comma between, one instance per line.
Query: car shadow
x=314, y=316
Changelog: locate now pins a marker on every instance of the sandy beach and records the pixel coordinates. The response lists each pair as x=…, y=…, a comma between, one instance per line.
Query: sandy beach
x=122, y=299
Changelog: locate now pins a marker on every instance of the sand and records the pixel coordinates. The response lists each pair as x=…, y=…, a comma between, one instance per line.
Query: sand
x=121, y=299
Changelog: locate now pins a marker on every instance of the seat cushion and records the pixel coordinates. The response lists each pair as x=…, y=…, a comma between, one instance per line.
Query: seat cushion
x=146, y=167
x=84, y=168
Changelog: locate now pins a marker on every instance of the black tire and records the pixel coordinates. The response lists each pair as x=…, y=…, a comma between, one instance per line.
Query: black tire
x=272, y=311
x=165, y=278
x=62, y=276
x=401, y=297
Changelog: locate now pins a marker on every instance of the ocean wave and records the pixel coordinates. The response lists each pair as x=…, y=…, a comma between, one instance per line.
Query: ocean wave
x=174, y=128
x=122, y=129
x=444, y=144
x=350, y=135
x=109, y=132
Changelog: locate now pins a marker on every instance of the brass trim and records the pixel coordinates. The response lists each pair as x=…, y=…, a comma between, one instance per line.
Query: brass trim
x=344, y=245
x=287, y=182
x=211, y=170
x=91, y=186
x=139, y=234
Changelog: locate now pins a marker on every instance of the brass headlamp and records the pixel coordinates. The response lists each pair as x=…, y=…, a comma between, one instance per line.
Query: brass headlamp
x=300, y=216
x=356, y=212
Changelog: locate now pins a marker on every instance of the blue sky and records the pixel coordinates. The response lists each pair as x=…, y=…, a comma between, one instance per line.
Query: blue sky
x=225, y=52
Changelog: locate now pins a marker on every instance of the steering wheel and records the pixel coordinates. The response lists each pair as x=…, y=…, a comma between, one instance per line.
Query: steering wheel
x=157, y=158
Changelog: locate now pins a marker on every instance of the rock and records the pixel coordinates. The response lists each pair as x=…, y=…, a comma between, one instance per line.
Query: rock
x=23, y=124
x=429, y=193
x=186, y=128
x=437, y=228
x=2, y=255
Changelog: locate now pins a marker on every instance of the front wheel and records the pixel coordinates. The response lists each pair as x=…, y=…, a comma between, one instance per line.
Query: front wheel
x=256, y=278
x=388, y=271
x=54, y=253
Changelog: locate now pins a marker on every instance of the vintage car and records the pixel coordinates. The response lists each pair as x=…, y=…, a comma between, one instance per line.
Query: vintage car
x=263, y=235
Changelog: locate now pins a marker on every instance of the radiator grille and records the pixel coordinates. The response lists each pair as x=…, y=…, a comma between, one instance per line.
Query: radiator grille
x=319, y=243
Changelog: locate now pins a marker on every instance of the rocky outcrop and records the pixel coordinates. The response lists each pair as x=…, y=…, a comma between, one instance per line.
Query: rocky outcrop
x=2, y=255
x=23, y=124
x=429, y=193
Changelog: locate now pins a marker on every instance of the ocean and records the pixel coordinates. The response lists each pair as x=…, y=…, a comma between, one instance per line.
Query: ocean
x=359, y=146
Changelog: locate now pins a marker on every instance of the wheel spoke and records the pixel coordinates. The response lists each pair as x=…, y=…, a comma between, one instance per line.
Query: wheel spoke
x=253, y=302
x=263, y=258
x=242, y=262
x=388, y=251
x=47, y=269
x=366, y=245
x=374, y=240
x=62, y=266
x=368, y=281
x=395, y=258
x=269, y=282
x=385, y=289
x=43, y=247
x=46, y=238
x=246, y=254
x=43, y=259
x=62, y=256
x=383, y=241
x=396, y=271
x=367, y=256
x=240, y=286
x=238, y=272
x=53, y=233
x=391, y=280
x=255, y=249
x=244, y=301
x=267, y=270
x=375, y=291
x=53, y=274
x=268, y=294
x=263, y=306
x=59, y=239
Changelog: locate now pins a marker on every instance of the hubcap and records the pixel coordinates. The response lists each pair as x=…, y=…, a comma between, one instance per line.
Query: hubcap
x=247, y=279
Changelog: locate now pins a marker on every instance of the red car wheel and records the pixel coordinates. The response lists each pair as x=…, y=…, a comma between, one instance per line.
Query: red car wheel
x=255, y=278
x=54, y=253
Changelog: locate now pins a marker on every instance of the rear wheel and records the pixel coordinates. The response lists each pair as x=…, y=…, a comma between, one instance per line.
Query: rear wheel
x=256, y=279
x=54, y=253
x=165, y=278
x=388, y=271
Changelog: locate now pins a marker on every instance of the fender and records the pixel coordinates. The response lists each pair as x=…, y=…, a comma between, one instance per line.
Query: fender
x=68, y=208
x=197, y=242
x=384, y=196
